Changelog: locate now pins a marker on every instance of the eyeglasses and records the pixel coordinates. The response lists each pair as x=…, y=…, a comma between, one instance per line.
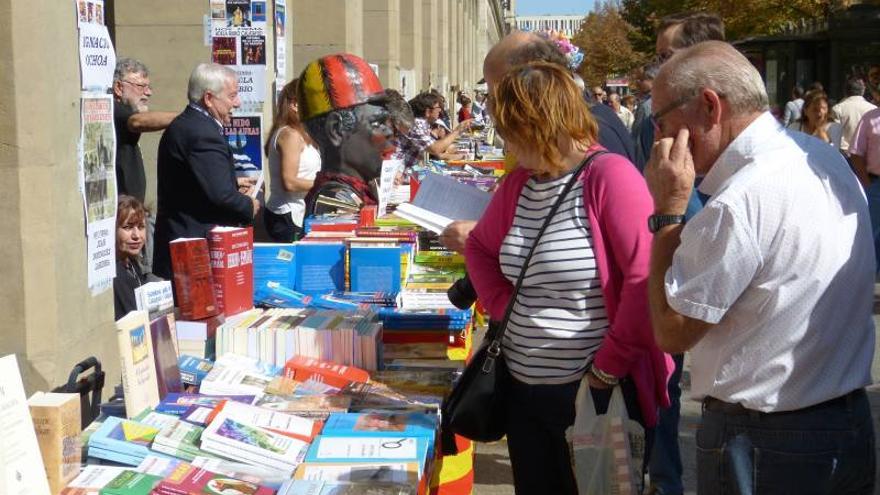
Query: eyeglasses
x=143, y=87
x=656, y=116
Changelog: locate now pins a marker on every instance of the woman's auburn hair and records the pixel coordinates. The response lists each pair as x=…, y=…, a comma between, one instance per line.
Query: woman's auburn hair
x=535, y=104
x=126, y=206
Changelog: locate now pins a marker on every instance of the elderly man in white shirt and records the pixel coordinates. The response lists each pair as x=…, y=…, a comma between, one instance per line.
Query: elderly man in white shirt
x=849, y=111
x=770, y=286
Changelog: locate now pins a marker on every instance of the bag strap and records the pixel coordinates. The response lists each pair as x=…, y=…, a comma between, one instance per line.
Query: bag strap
x=494, y=349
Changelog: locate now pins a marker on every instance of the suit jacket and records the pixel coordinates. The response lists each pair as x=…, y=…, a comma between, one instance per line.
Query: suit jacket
x=196, y=187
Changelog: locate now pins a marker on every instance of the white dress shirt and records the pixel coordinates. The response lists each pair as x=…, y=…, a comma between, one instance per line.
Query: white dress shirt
x=781, y=260
x=849, y=112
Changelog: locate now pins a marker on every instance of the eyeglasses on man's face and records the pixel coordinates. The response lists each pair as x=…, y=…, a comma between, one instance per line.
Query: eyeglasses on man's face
x=142, y=87
x=658, y=115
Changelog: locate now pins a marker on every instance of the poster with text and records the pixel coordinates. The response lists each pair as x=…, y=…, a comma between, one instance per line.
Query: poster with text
x=280, y=42
x=97, y=59
x=98, y=183
x=238, y=29
x=245, y=137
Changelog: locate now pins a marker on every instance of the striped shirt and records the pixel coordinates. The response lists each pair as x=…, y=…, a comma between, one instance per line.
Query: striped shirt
x=559, y=318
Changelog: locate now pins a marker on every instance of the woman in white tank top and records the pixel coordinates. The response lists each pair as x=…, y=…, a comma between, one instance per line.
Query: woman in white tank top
x=293, y=163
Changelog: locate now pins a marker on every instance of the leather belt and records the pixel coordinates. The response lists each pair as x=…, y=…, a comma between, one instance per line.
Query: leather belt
x=717, y=405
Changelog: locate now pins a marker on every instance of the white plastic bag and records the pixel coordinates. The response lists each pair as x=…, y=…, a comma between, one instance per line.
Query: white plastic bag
x=606, y=450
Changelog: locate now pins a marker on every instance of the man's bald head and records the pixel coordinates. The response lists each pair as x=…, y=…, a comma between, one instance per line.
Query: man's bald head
x=517, y=48
x=718, y=66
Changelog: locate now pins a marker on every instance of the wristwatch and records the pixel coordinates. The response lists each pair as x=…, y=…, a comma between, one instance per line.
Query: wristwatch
x=657, y=222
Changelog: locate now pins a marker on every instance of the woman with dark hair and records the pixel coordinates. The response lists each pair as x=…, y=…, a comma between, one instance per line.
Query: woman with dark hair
x=293, y=163
x=131, y=233
x=816, y=120
x=582, y=308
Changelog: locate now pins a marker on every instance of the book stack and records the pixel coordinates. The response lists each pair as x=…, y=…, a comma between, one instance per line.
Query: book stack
x=180, y=439
x=237, y=375
x=193, y=369
x=192, y=480
x=198, y=337
x=276, y=335
x=122, y=441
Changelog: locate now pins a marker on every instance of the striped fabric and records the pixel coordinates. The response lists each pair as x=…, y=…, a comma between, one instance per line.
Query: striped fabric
x=559, y=318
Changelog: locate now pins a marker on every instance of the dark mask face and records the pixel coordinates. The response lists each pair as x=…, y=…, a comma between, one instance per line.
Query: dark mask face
x=361, y=150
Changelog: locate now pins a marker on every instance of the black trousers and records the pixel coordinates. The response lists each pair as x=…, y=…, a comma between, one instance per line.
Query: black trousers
x=280, y=227
x=537, y=416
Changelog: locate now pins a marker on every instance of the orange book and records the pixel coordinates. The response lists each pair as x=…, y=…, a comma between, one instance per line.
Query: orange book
x=193, y=282
x=232, y=267
x=302, y=368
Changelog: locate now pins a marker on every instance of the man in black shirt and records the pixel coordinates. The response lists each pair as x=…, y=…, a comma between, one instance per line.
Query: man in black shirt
x=131, y=117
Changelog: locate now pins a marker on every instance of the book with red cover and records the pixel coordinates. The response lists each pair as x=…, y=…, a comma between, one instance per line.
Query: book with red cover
x=302, y=368
x=165, y=355
x=367, y=216
x=232, y=265
x=193, y=282
x=190, y=480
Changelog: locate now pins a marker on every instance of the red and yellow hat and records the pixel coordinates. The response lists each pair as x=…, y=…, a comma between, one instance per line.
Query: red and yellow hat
x=334, y=82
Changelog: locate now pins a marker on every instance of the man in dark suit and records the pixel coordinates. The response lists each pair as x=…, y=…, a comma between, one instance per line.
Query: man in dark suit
x=197, y=188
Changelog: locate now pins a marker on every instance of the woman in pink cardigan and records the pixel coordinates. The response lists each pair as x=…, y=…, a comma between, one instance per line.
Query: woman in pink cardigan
x=583, y=305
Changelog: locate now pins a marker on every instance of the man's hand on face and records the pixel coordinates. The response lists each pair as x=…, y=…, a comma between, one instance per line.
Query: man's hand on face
x=670, y=174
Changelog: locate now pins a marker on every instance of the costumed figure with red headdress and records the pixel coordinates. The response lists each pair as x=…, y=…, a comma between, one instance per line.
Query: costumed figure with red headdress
x=342, y=105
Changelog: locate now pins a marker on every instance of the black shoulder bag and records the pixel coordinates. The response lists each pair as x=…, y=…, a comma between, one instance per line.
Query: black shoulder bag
x=476, y=407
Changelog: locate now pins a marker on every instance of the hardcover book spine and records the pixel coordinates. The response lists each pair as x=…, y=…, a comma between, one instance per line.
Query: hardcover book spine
x=232, y=252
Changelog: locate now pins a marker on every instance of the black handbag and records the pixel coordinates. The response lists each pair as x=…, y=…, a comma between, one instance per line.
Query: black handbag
x=475, y=408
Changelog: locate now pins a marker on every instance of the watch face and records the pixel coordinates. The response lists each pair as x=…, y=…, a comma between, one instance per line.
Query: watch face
x=657, y=222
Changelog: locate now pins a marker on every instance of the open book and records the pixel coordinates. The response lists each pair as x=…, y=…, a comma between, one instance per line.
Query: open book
x=442, y=200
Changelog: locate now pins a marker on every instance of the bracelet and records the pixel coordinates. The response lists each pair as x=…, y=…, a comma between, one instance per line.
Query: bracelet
x=606, y=378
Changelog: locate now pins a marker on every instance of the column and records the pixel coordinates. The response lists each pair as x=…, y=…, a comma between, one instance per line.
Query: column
x=411, y=38
x=323, y=27
x=49, y=320
x=430, y=43
x=443, y=50
x=454, y=29
x=381, y=21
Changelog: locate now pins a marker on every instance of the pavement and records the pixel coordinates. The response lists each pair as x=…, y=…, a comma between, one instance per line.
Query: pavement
x=492, y=475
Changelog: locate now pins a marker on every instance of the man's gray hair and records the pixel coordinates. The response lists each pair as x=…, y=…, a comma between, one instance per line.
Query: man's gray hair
x=126, y=66
x=855, y=86
x=208, y=77
x=718, y=66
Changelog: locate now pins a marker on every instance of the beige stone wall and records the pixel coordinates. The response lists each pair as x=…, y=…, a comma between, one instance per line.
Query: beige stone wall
x=49, y=318
x=322, y=27
x=381, y=20
x=411, y=40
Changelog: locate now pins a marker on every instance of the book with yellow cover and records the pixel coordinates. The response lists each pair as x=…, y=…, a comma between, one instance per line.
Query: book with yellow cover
x=139, y=382
x=56, y=420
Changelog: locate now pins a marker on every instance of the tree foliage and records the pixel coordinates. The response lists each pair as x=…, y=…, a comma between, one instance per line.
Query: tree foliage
x=604, y=38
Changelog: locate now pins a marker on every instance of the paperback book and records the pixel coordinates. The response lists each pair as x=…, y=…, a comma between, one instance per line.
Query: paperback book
x=139, y=381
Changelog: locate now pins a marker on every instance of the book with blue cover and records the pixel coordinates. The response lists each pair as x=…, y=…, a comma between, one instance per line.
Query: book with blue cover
x=380, y=423
x=277, y=295
x=320, y=267
x=179, y=404
x=123, y=441
x=193, y=369
x=274, y=262
x=391, y=448
x=375, y=268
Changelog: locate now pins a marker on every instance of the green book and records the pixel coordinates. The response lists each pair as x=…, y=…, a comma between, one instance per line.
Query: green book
x=131, y=483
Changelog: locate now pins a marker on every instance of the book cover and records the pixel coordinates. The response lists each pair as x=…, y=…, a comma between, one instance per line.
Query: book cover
x=180, y=440
x=200, y=330
x=309, y=406
x=23, y=472
x=93, y=477
x=317, y=487
x=274, y=262
x=126, y=437
x=131, y=483
x=158, y=466
x=193, y=369
x=304, y=368
x=232, y=439
x=232, y=268
x=279, y=422
x=238, y=375
x=396, y=448
x=165, y=355
x=156, y=298
x=139, y=381
x=191, y=480
x=56, y=420
x=374, y=269
x=380, y=423
x=178, y=404
x=320, y=267
x=362, y=472
x=193, y=281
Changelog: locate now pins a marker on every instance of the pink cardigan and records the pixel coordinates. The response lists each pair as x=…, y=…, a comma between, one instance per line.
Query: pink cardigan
x=618, y=205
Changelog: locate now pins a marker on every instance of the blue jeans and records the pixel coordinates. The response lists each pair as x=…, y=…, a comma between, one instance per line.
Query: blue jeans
x=823, y=449
x=665, y=465
x=873, y=194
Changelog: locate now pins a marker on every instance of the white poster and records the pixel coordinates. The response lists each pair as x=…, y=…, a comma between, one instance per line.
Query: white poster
x=98, y=183
x=21, y=465
x=97, y=59
x=390, y=169
x=238, y=31
x=280, y=42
